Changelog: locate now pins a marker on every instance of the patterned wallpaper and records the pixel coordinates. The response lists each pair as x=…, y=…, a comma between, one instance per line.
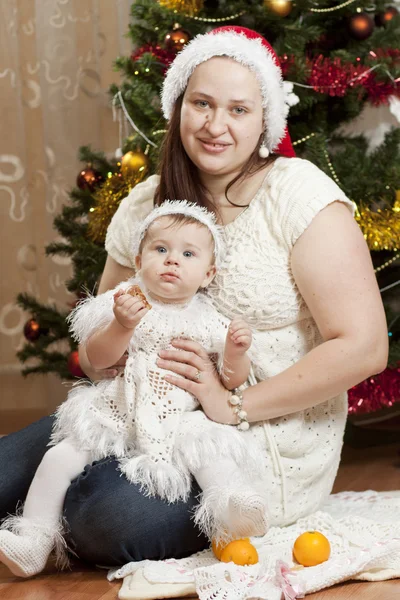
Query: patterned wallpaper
x=55, y=68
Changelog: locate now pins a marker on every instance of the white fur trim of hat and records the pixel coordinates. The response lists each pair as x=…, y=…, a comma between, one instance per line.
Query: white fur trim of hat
x=190, y=209
x=248, y=52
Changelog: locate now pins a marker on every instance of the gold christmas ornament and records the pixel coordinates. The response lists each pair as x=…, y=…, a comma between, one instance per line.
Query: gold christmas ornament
x=106, y=201
x=188, y=7
x=133, y=163
x=360, y=26
x=282, y=8
x=177, y=38
x=380, y=228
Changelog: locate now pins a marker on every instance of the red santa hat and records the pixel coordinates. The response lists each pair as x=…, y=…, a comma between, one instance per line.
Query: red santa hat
x=252, y=50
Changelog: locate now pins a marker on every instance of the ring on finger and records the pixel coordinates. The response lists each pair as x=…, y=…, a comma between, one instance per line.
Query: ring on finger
x=197, y=376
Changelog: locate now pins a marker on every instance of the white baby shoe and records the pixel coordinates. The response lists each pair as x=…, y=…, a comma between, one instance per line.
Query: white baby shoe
x=26, y=544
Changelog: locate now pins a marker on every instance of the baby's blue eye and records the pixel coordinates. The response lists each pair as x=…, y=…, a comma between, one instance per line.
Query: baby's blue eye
x=161, y=249
x=187, y=254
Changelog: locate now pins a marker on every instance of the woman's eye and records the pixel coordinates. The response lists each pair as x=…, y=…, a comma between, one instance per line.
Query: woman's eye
x=243, y=110
x=201, y=103
x=161, y=249
x=188, y=253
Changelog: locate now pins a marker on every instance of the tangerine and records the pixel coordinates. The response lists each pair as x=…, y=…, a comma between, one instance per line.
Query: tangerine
x=219, y=547
x=241, y=552
x=311, y=548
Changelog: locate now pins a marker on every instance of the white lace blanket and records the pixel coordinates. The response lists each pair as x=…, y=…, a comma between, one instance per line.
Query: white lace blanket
x=362, y=527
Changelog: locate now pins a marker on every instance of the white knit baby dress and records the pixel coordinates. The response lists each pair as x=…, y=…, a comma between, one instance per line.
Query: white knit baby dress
x=150, y=424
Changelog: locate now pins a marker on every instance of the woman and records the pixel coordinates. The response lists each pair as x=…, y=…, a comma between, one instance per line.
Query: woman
x=298, y=270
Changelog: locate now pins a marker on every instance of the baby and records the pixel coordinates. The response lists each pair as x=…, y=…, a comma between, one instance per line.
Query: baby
x=154, y=428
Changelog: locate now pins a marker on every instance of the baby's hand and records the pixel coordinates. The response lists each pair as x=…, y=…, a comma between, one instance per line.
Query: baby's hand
x=128, y=310
x=239, y=335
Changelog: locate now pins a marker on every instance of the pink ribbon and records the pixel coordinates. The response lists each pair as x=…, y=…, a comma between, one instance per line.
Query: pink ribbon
x=285, y=580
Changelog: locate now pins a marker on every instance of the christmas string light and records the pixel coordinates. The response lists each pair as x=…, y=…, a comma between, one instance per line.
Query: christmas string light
x=304, y=139
x=159, y=131
x=332, y=170
x=333, y=8
x=208, y=20
x=387, y=264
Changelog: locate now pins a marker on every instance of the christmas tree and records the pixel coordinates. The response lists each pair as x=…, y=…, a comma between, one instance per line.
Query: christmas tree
x=340, y=58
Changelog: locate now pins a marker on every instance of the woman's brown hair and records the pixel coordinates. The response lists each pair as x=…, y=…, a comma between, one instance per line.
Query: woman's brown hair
x=179, y=177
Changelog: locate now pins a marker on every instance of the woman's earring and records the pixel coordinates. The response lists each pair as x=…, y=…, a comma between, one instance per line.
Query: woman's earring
x=263, y=151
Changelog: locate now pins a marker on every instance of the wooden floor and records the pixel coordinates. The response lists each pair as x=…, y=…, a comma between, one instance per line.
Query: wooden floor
x=361, y=469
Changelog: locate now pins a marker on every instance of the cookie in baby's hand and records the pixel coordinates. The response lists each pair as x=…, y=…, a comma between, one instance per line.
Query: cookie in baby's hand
x=136, y=292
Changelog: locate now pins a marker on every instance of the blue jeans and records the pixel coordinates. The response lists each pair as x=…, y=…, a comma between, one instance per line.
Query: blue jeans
x=111, y=521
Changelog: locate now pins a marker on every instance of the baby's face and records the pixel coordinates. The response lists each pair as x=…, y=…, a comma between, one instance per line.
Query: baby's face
x=176, y=260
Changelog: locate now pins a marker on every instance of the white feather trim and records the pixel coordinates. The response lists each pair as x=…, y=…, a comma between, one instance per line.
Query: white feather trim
x=90, y=315
x=208, y=515
x=213, y=515
x=249, y=53
x=161, y=478
x=93, y=313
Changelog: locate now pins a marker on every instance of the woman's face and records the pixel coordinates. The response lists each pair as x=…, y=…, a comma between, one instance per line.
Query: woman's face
x=221, y=116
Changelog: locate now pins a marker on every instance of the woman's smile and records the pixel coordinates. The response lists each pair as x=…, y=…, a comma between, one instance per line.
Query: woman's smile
x=214, y=147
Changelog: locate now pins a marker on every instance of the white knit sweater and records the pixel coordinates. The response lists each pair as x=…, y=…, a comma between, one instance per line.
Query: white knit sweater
x=299, y=453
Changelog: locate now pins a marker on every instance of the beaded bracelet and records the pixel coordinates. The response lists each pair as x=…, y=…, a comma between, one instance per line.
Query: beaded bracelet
x=236, y=401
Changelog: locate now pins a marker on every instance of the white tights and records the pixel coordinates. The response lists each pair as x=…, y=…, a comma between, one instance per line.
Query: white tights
x=27, y=541
x=230, y=501
x=59, y=466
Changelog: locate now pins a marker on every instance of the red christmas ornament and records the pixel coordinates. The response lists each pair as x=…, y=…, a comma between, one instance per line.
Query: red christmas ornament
x=385, y=17
x=33, y=331
x=73, y=365
x=360, y=26
x=375, y=393
x=89, y=179
x=164, y=57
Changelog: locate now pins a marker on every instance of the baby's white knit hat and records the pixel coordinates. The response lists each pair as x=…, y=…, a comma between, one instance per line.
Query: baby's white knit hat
x=190, y=209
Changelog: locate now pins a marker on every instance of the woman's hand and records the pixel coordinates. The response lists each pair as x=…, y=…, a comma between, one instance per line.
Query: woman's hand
x=198, y=377
x=97, y=375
